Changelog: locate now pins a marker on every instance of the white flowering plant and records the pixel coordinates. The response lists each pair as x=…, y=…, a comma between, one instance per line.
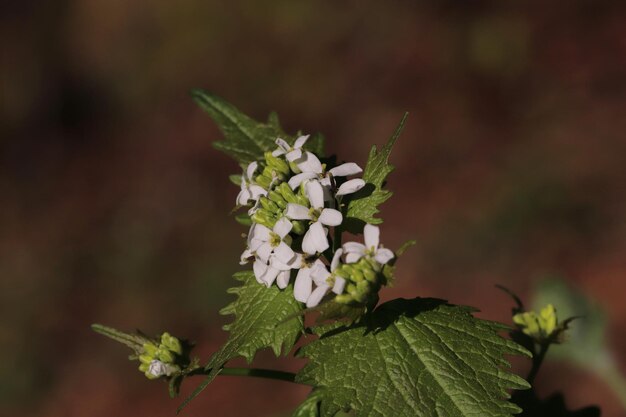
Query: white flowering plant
x=405, y=357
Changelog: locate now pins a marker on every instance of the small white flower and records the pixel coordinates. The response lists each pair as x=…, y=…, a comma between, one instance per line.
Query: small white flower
x=291, y=153
x=312, y=168
x=249, y=190
x=324, y=279
x=158, y=368
x=304, y=283
x=355, y=251
x=266, y=243
x=275, y=271
x=315, y=239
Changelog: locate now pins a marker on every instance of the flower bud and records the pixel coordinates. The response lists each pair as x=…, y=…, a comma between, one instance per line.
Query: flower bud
x=277, y=199
x=171, y=343
x=277, y=164
x=287, y=193
x=165, y=355
x=269, y=205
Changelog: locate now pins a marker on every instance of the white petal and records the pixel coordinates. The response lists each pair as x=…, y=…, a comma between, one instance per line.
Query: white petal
x=320, y=275
x=340, y=284
x=283, y=280
x=303, y=286
x=157, y=368
x=315, y=239
x=354, y=247
x=284, y=253
x=259, y=269
x=372, y=236
x=296, y=262
x=264, y=251
x=255, y=244
x=351, y=186
x=243, y=197
x=331, y=217
x=261, y=232
x=282, y=227
x=316, y=296
x=283, y=145
x=336, y=259
x=296, y=180
x=270, y=275
x=251, y=169
x=353, y=257
x=256, y=191
x=245, y=255
x=300, y=141
x=310, y=164
x=294, y=155
x=344, y=170
x=383, y=255
x=278, y=152
x=278, y=264
x=297, y=212
x=315, y=193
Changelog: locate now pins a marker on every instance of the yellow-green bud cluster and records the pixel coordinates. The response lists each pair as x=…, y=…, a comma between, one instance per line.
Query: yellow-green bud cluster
x=167, y=351
x=363, y=281
x=272, y=207
x=540, y=327
x=275, y=168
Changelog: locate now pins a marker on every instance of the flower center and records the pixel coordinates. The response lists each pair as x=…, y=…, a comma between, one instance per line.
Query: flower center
x=274, y=240
x=315, y=214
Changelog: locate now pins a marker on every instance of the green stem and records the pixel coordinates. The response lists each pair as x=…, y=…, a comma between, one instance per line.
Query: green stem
x=252, y=372
x=537, y=361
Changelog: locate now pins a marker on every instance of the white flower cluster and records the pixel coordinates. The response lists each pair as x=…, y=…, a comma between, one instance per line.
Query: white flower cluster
x=294, y=201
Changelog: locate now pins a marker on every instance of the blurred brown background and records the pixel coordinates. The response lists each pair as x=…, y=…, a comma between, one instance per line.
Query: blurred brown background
x=113, y=202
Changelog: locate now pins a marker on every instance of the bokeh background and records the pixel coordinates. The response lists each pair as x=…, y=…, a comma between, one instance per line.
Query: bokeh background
x=114, y=205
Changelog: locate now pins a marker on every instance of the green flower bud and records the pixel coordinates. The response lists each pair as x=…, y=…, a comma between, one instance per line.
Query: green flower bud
x=149, y=349
x=264, y=217
x=264, y=180
x=294, y=167
x=277, y=164
x=171, y=343
x=287, y=193
x=277, y=198
x=370, y=275
x=357, y=276
x=298, y=227
x=538, y=326
x=344, y=298
x=165, y=355
x=146, y=359
x=269, y=205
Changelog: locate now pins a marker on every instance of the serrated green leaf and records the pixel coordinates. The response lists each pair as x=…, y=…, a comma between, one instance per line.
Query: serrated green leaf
x=264, y=317
x=364, y=204
x=419, y=357
x=245, y=139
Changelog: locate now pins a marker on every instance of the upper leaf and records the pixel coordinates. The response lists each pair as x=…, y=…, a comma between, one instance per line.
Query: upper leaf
x=374, y=175
x=245, y=139
x=264, y=317
x=419, y=357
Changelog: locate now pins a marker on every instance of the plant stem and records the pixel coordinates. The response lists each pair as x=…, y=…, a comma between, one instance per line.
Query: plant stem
x=253, y=372
x=537, y=361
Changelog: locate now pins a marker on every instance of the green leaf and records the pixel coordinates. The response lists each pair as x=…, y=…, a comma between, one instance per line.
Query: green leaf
x=264, y=317
x=419, y=357
x=245, y=139
x=364, y=206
